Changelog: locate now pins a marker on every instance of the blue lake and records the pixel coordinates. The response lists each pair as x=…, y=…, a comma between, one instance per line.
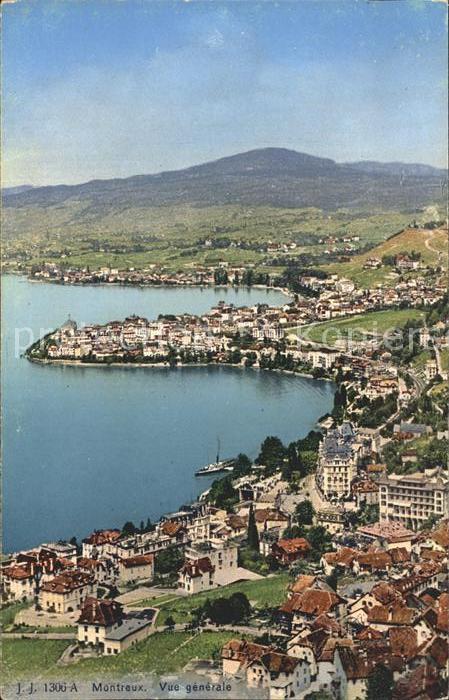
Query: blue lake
x=87, y=448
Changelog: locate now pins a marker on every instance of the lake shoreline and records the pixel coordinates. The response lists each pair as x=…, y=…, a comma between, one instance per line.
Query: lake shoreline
x=166, y=365
x=281, y=290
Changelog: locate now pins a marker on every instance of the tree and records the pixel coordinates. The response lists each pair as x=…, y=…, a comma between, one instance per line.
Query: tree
x=304, y=513
x=170, y=623
x=225, y=611
x=222, y=493
x=242, y=466
x=292, y=464
x=272, y=453
x=169, y=561
x=149, y=527
x=240, y=607
x=252, y=534
x=142, y=526
x=291, y=533
x=380, y=683
x=128, y=529
x=319, y=539
x=309, y=461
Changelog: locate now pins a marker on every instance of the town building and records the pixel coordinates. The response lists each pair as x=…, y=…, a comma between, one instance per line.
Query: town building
x=66, y=592
x=104, y=625
x=286, y=551
x=277, y=675
x=197, y=575
x=140, y=567
x=339, y=456
x=411, y=499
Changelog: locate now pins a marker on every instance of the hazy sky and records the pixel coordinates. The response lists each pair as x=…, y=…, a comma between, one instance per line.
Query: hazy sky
x=110, y=88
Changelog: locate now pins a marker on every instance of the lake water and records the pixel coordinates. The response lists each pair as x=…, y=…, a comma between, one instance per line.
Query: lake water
x=87, y=448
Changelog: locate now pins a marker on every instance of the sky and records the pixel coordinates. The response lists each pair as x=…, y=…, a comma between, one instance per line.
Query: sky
x=113, y=88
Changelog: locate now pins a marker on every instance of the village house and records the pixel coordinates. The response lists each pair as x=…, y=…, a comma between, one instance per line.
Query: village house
x=138, y=568
x=332, y=519
x=61, y=549
x=17, y=583
x=352, y=673
x=196, y=575
x=301, y=608
x=431, y=369
x=365, y=492
x=410, y=431
x=381, y=594
x=104, y=625
x=101, y=569
x=279, y=676
x=66, y=592
x=288, y=551
x=223, y=557
x=387, y=534
x=101, y=543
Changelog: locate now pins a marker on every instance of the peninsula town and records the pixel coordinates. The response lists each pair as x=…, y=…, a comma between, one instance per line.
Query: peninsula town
x=317, y=570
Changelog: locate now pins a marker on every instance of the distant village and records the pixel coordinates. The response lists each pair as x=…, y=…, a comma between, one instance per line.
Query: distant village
x=253, y=331
x=356, y=512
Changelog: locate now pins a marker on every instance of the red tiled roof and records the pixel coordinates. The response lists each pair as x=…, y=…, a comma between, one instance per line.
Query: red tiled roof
x=139, y=560
x=369, y=633
x=404, y=641
x=311, y=602
x=67, y=581
x=327, y=623
x=277, y=663
x=236, y=522
x=443, y=613
x=399, y=555
x=197, y=567
x=353, y=665
x=100, y=612
x=393, y=615
x=102, y=537
x=379, y=560
x=18, y=573
x=242, y=651
x=385, y=593
x=265, y=514
x=86, y=563
x=439, y=651
x=432, y=554
x=344, y=556
x=171, y=528
x=421, y=683
x=297, y=544
x=388, y=530
x=441, y=535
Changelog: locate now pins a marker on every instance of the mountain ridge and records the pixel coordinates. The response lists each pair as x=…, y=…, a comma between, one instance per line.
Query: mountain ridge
x=274, y=176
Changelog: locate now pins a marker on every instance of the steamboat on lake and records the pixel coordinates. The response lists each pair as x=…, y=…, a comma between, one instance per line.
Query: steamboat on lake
x=220, y=465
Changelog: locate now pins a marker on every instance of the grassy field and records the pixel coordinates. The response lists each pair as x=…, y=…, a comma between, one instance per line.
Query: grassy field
x=29, y=658
x=266, y=592
x=357, y=327
x=163, y=652
x=419, y=361
x=444, y=355
x=431, y=244
x=8, y=613
x=168, y=236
